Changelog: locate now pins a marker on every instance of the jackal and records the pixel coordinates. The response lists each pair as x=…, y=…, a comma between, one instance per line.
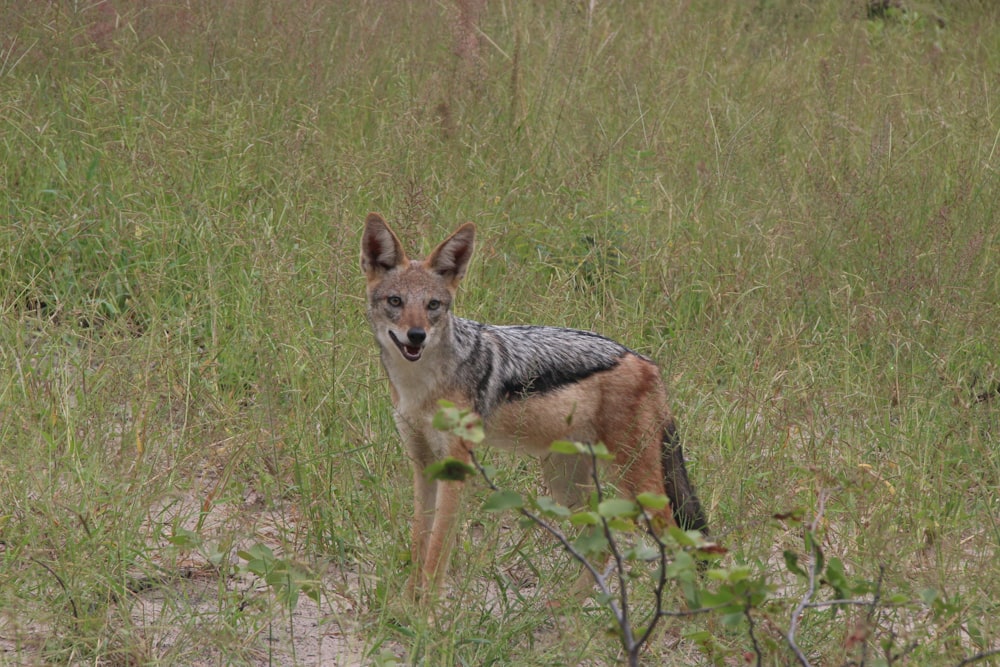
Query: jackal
x=531, y=385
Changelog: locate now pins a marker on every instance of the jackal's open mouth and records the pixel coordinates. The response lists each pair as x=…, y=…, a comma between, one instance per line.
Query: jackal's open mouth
x=409, y=352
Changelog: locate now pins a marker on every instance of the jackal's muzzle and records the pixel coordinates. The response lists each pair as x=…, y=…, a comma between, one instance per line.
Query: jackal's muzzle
x=414, y=345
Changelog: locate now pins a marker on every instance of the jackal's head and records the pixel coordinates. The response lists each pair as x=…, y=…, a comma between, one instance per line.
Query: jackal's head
x=409, y=301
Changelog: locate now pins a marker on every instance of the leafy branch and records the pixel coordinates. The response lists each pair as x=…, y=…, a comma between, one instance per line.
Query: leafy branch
x=606, y=517
x=626, y=532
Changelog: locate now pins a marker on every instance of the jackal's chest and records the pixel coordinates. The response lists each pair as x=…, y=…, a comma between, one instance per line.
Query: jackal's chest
x=414, y=410
x=416, y=387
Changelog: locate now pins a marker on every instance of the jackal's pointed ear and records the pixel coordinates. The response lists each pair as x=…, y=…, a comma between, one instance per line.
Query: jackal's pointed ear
x=380, y=248
x=451, y=258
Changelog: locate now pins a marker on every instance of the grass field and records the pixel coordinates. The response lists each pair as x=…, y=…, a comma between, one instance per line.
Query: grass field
x=793, y=206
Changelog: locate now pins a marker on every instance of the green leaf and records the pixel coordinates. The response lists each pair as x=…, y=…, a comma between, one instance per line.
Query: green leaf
x=184, y=538
x=257, y=552
x=260, y=559
x=724, y=598
x=812, y=544
x=312, y=590
x=621, y=525
x=503, y=500
x=617, y=507
x=449, y=470
x=593, y=500
x=566, y=447
x=215, y=555
x=550, y=507
x=642, y=552
x=836, y=578
x=585, y=518
x=652, y=501
x=600, y=450
x=835, y=569
x=698, y=636
x=591, y=541
x=446, y=418
x=470, y=427
x=603, y=598
x=683, y=567
x=386, y=659
x=692, y=594
x=464, y=423
x=683, y=538
x=792, y=564
x=732, y=620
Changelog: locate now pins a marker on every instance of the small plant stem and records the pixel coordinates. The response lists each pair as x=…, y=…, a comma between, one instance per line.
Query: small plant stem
x=979, y=656
x=624, y=623
x=753, y=637
x=873, y=608
x=72, y=603
x=661, y=581
x=556, y=533
x=801, y=606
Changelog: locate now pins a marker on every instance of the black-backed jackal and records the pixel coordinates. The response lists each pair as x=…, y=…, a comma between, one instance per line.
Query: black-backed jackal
x=531, y=385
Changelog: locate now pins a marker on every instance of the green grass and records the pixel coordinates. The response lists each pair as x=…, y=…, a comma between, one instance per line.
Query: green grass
x=791, y=206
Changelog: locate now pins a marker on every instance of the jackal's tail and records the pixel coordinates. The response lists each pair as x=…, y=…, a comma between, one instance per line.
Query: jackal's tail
x=683, y=500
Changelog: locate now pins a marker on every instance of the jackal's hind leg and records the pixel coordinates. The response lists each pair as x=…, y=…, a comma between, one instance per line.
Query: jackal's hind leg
x=570, y=481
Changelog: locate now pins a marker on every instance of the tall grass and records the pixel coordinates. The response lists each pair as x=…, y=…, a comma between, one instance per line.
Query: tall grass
x=791, y=205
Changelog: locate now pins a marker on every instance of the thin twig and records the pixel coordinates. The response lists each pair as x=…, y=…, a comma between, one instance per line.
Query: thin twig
x=560, y=537
x=979, y=656
x=794, y=624
x=628, y=639
x=872, y=608
x=753, y=637
x=908, y=649
x=72, y=603
x=661, y=580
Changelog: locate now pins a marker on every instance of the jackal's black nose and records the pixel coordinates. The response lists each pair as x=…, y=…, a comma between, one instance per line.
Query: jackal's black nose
x=416, y=336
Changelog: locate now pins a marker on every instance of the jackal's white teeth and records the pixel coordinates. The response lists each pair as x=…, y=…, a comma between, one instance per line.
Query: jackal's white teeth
x=409, y=352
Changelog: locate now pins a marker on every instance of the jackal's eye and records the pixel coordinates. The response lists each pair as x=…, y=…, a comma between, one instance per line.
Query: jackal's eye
x=394, y=301
x=433, y=304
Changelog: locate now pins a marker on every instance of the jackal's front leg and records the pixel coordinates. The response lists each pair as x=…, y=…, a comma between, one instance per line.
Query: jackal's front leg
x=448, y=499
x=436, y=521
x=424, y=492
